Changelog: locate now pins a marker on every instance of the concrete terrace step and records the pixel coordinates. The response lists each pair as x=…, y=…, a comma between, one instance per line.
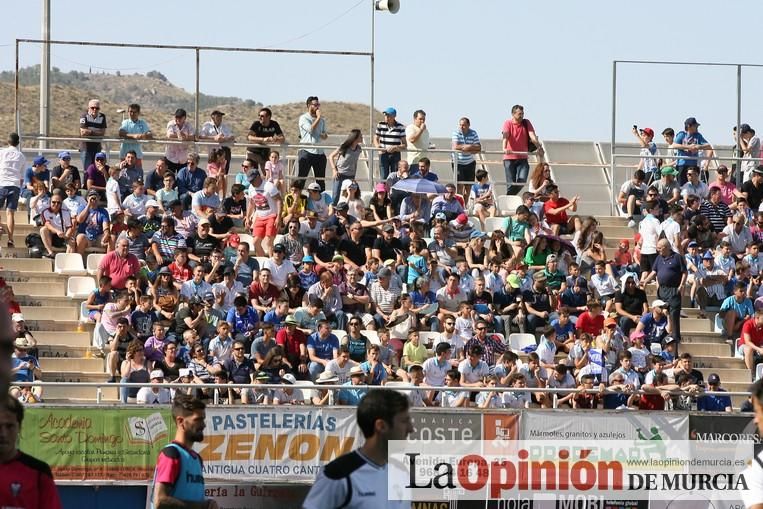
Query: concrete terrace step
x=59, y=301
x=34, y=277
x=40, y=289
x=72, y=394
x=51, y=313
x=76, y=376
x=696, y=324
x=27, y=265
x=75, y=364
x=50, y=340
x=702, y=337
x=728, y=375
x=717, y=362
x=58, y=325
x=711, y=350
x=616, y=232
x=64, y=351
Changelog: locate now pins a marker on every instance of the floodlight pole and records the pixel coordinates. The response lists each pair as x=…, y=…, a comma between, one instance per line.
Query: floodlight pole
x=44, y=73
x=370, y=140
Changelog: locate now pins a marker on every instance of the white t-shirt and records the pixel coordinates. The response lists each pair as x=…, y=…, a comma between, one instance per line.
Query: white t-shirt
x=456, y=342
x=113, y=196
x=288, y=399
x=278, y=273
x=12, y=166
x=672, y=231
x=262, y=199
x=135, y=204
x=753, y=476
x=146, y=396
x=417, y=149
x=434, y=374
x=473, y=373
x=749, y=162
x=546, y=351
x=342, y=373
x=649, y=228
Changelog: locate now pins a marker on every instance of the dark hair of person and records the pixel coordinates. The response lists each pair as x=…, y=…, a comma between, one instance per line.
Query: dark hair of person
x=184, y=405
x=381, y=404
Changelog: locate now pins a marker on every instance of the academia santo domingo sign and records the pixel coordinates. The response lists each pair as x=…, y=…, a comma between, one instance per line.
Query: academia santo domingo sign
x=97, y=444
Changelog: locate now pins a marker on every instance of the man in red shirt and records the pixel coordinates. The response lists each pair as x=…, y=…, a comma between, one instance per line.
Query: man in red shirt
x=517, y=132
x=263, y=294
x=24, y=481
x=555, y=209
x=294, y=342
x=118, y=265
x=590, y=321
x=752, y=339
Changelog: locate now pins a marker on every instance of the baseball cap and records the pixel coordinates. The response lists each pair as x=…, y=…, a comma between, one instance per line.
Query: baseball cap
x=462, y=218
x=288, y=378
x=669, y=170
x=610, y=322
x=261, y=375
x=229, y=271
x=758, y=170
x=22, y=343
x=152, y=203
x=65, y=155
x=476, y=234
x=390, y=111
x=308, y=259
x=209, y=296
x=637, y=334
x=253, y=175
x=384, y=272
x=539, y=276
x=290, y=320
x=165, y=270
x=40, y=160
x=713, y=379
x=101, y=155
x=514, y=281
x=234, y=240
x=552, y=258
x=357, y=370
x=157, y=373
x=441, y=216
x=669, y=339
x=337, y=258
x=314, y=186
x=693, y=243
x=648, y=131
x=690, y=121
x=216, y=112
x=380, y=188
x=342, y=205
x=745, y=128
x=203, y=221
x=195, y=300
x=708, y=255
x=659, y=303
x=388, y=228
x=279, y=248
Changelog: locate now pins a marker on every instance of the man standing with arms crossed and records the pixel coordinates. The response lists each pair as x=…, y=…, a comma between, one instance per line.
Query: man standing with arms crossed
x=390, y=137
x=92, y=124
x=179, y=477
x=359, y=479
x=465, y=143
x=12, y=166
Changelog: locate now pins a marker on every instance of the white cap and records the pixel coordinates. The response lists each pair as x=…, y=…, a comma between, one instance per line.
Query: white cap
x=658, y=303
x=152, y=203
x=157, y=373
x=17, y=317
x=289, y=379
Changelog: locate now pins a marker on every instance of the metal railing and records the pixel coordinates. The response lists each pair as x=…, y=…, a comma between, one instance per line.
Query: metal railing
x=100, y=386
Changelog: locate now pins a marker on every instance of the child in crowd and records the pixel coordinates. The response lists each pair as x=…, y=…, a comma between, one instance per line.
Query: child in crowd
x=143, y=318
x=489, y=399
x=154, y=346
x=464, y=322
x=168, y=193
x=274, y=170
x=605, y=286
x=482, y=197
x=516, y=399
x=74, y=202
x=98, y=299
x=216, y=168
x=623, y=260
x=113, y=195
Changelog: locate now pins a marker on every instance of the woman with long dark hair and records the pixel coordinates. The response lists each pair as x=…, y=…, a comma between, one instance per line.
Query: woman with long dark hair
x=344, y=161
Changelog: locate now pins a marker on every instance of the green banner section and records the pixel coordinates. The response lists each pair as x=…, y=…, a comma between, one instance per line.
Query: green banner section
x=118, y=444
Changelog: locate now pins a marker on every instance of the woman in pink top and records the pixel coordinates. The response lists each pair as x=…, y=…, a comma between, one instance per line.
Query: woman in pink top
x=727, y=188
x=216, y=168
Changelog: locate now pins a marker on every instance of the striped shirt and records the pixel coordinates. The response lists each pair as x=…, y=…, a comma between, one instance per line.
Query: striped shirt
x=390, y=136
x=470, y=138
x=384, y=299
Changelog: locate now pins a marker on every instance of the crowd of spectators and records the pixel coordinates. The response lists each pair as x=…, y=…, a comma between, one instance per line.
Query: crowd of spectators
x=275, y=280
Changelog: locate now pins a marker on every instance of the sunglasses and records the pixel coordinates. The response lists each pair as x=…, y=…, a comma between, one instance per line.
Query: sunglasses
x=480, y=328
x=239, y=349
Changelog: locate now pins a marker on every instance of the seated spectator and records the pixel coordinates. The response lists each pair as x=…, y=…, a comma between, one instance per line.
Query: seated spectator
x=155, y=345
x=241, y=370
x=516, y=399
x=631, y=376
x=537, y=302
x=166, y=295
x=288, y=395
x=630, y=302
x=561, y=379
x=736, y=309
x=196, y=286
x=535, y=377
x=329, y=293
x=98, y=298
x=489, y=399
x=689, y=389
x=202, y=365
x=166, y=242
x=454, y=397
x=57, y=227
x=574, y=298
x=342, y=365
x=94, y=225
x=713, y=402
x=751, y=345
x=655, y=396
x=584, y=398
x=133, y=369
x=355, y=389
x=590, y=321
x=617, y=396
x=221, y=346
x=555, y=212
x=375, y=367
x=154, y=395
x=491, y=344
x=25, y=367
x=171, y=365
x=654, y=324
x=709, y=283
x=322, y=347
x=604, y=286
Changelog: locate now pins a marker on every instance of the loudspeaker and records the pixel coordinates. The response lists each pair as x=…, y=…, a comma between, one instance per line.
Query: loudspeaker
x=388, y=5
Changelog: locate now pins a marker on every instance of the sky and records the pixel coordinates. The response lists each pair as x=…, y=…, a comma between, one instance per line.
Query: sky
x=450, y=58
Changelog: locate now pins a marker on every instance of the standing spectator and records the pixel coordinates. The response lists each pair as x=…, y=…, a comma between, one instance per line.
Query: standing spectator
x=92, y=124
x=178, y=129
x=517, y=134
x=265, y=202
x=264, y=131
x=390, y=137
x=12, y=165
x=215, y=130
x=132, y=130
x=649, y=229
x=64, y=174
x=689, y=143
x=344, y=162
x=417, y=138
x=648, y=161
x=670, y=270
x=465, y=143
x=752, y=189
x=749, y=145
x=312, y=130
x=118, y=265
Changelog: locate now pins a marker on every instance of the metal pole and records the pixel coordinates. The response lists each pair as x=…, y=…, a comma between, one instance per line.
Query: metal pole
x=613, y=136
x=369, y=142
x=196, y=107
x=44, y=73
x=739, y=122
x=16, y=92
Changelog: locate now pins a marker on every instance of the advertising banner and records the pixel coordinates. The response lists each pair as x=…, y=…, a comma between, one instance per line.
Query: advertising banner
x=96, y=444
x=603, y=425
x=275, y=443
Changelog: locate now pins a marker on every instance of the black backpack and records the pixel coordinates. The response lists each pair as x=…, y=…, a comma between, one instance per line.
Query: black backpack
x=34, y=242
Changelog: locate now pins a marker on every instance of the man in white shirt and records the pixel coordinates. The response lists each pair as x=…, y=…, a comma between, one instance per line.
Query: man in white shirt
x=226, y=291
x=435, y=368
x=262, y=209
x=12, y=166
x=417, y=136
x=279, y=266
x=215, y=130
x=694, y=186
x=154, y=395
x=649, y=228
x=452, y=338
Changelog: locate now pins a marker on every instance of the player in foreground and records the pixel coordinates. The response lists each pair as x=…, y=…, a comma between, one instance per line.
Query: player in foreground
x=753, y=495
x=359, y=479
x=179, y=477
x=25, y=482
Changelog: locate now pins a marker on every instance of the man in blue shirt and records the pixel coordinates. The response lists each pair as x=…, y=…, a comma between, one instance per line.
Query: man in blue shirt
x=38, y=172
x=670, y=270
x=735, y=310
x=190, y=179
x=356, y=388
x=424, y=165
x=689, y=143
x=322, y=347
x=714, y=403
x=243, y=320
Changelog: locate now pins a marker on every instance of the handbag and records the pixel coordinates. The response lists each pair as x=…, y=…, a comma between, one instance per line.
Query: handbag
x=531, y=147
